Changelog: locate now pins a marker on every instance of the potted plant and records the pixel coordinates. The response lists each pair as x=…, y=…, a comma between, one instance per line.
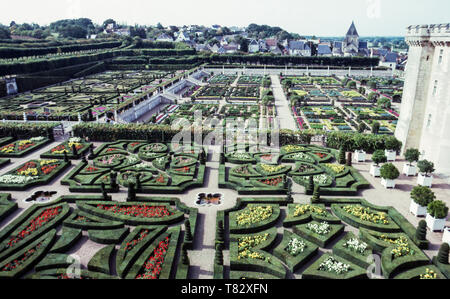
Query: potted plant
x=446, y=236
x=436, y=215
x=426, y=168
x=411, y=155
x=391, y=145
x=377, y=158
x=360, y=154
x=389, y=173
x=420, y=198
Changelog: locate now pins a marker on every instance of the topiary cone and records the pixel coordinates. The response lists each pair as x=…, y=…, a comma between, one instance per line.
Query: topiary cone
x=220, y=231
x=342, y=159
x=188, y=236
x=218, y=258
x=421, y=232
x=442, y=256
x=184, y=256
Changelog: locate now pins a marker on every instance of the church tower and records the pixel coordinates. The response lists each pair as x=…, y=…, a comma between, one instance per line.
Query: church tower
x=350, y=46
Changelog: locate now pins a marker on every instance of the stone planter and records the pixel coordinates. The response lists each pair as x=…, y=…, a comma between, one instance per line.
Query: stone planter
x=375, y=170
x=435, y=224
x=360, y=156
x=423, y=180
x=388, y=183
x=417, y=210
x=409, y=170
x=390, y=155
x=446, y=236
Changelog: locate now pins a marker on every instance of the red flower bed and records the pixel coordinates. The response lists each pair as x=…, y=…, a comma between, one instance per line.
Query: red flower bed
x=27, y=166
x=90, y=169
x=183, y=170
x=19, y=261
x=142, y=211
x=25, y=146
x=130, y=245
x=134, y=144
x=272, y=182
x=153, y=266
x=320, y=155
x=46, y=169
x=35, y=224
x=160, y=179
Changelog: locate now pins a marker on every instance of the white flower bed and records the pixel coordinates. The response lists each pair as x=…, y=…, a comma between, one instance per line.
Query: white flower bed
x=295, y=246
x=320, y=229
x=15, y=179
x=334, y=266
x=75, y=140
x=132, y=159
x=37, y=139
x=140, y=166
x=356, y=245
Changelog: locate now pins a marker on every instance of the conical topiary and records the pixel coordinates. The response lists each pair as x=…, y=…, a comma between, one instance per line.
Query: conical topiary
x=421, y=232
x=311, y=184
x=188, y=236
x=442, y=256
x=342, y=159
x=220, y=231
x=131, y=192
x=316, y=194
x=66, y=158
x=184, y=256
x=349, y=159
x=218, y=258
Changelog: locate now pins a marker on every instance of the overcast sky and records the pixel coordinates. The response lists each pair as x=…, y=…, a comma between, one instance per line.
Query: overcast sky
x=306, y=17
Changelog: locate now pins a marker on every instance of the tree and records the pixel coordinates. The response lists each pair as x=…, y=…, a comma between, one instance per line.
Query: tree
x=361, y=127
x=109, y=21
x=74, y=31
x=421, y=231
x=372, y=97
x=384, y=103
x=351, y=84
x=422, y=195
x=379, y=157
x=412, y=155
x=389, y=172
x=442, y=256
x=4, y=33
x=426, y=167
x=375, y=127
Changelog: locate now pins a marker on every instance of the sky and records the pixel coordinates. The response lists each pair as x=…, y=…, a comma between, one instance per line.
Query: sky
x=306, y=17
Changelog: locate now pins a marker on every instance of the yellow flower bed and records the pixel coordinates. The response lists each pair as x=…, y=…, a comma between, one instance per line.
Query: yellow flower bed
x=254, y=215
x=303, y=209
x=271, y=169
x=247, y=243
x=336, y=168
x=429, y=274
x=23, y=142
x=366, y=214
x=401, y=246
x=292, y=148
x=29, y=172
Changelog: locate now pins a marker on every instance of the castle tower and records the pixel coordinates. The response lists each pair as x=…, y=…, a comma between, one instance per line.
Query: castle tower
x=424, y=121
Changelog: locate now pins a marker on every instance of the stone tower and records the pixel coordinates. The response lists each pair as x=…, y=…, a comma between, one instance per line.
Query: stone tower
x=424, y=121
x=350, y=46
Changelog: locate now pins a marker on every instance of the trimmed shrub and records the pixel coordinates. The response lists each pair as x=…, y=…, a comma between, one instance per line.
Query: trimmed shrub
x=389, y=172
x=422, y=195
x=442, y=256
x=437, y=209
x=421, y=232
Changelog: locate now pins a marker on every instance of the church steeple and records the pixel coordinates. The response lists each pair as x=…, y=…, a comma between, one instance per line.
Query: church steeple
x=352, y=30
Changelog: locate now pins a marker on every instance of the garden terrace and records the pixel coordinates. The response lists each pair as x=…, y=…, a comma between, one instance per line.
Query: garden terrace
x=210, y=92
x=184, y=115
x=145, y=229
x=264, y=241
x=151, y=167
x=253, y=170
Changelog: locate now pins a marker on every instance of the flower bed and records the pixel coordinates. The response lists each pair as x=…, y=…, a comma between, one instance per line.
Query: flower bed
x=32, y=173
x=333, y=267
x=319, y=233
x=253, y=218
x=20, y=148
x=66, y=148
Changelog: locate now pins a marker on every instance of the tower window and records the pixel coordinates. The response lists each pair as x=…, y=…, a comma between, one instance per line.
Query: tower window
x=441, y=54
x=435, y=87
x=429, y=121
